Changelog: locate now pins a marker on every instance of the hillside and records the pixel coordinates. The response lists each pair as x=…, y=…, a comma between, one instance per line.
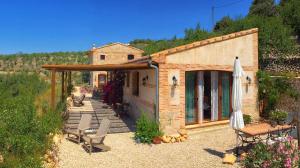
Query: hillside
x=33, y=62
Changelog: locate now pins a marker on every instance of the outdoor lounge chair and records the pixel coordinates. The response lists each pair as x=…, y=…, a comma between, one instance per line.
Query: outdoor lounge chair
x=96, y=140
x=78, y=101
x=77, y=132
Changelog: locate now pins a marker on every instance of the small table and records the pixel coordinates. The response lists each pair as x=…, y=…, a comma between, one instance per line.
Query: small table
x=254, y=132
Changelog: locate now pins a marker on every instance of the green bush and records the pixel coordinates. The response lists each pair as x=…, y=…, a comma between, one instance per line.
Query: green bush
x=278, y=115
x=146, y=129
x=270, y=89
x=247, y=119
x=24, y=134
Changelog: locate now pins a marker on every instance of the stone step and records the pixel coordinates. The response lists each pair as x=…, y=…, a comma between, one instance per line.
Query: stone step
x=96, y=125
x=93, y=115
x=96, y=122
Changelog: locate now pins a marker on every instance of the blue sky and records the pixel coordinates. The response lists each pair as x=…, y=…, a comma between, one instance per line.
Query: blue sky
x=74, y=25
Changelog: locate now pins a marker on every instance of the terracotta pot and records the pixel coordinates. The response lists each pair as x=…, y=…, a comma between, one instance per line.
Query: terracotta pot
x=156, y=140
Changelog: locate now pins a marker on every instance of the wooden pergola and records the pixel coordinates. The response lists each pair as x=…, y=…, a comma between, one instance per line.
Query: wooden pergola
x=66, y=74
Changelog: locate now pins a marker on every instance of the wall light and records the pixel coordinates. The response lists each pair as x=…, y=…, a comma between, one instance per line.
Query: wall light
x=175, y=80
x=145, y=79
x=248, y=79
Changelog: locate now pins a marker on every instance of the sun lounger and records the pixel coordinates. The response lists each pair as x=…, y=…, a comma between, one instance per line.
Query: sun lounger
x=78, y=101
x=96, y=140
x=77, y=132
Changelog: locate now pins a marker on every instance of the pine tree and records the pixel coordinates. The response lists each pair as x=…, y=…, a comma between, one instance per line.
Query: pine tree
x=266, y=8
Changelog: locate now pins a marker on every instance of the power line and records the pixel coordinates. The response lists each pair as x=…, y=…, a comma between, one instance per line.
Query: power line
x=228, y=4
x=220, y=6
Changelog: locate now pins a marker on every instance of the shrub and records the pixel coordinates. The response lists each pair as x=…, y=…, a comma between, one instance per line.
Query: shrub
x=281, y=154
x=271, y=89
x=247, y=119
x=146, y=129
x=23, y=133
x=278, y=115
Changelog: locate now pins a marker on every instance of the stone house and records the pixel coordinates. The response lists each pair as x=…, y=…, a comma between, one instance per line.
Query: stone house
x=114, y=53
x=195, y=81
x=183, y=87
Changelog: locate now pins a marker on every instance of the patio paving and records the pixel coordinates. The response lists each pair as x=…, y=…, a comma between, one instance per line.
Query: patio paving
x=204, y=148
x=99, y=110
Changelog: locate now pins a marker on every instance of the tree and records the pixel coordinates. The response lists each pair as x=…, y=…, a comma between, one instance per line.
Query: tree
x=290, y=13
x=265, y=8
x=274, y=36
x=223, y=23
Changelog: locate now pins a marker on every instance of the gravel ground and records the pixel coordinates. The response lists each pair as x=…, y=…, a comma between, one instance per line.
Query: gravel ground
x=203, y=149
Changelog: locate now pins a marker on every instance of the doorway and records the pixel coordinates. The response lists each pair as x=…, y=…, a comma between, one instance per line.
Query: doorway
x=207, y=96
x=101, y=81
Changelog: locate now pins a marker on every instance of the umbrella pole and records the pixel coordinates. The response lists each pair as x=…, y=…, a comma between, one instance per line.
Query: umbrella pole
x=237, y=143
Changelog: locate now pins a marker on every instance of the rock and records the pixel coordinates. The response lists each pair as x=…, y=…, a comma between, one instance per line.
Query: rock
x=56, y=139
x=182, y=132
x=173, y=140
x=166, y=139
x=182, y=139
x=1, y=159
x=229, y=159
x=185, y=136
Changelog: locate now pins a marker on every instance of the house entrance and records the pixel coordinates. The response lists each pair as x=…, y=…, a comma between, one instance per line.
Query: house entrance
x=207, y=96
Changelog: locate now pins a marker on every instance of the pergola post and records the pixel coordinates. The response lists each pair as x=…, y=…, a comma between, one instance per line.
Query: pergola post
x=62, y=86
x=66, y=84
x=69, y=80
x=53, y=82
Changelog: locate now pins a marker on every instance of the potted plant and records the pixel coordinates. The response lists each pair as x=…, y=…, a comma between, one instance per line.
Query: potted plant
x=247, y=119
x=278, y=117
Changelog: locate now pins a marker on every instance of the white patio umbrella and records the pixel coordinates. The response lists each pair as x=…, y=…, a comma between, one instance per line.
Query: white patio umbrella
x=236, y=118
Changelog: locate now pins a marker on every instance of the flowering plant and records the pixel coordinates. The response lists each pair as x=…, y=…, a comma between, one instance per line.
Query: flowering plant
x=282, y=154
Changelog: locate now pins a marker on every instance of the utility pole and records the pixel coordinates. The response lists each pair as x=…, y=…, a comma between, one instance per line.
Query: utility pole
x=213, y=16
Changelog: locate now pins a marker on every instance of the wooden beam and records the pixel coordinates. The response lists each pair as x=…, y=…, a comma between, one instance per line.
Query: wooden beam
x=105, y=67
x=62, y=86
x=53, y=83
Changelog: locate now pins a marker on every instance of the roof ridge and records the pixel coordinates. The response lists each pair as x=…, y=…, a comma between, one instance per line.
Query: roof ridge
x=205, y=42
x=114, y=43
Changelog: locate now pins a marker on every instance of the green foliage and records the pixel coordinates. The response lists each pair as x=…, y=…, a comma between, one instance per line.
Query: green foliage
x=146, y=129
x=277, y=155
x=278, y=115
x=247, y=119
x=23, y=134
x=257, y=156
x=265, y=8
x=274, y=37
x=224, y=23
x=290, y=12
x=270, y=89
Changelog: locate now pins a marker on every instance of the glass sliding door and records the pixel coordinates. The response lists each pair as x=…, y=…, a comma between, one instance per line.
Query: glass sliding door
x=225, y=95
x=190, y=98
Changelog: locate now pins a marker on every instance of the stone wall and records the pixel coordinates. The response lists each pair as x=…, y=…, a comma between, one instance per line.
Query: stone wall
x=281, y=65
x=145, y=101
x=115, y=53
x=288, y=104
